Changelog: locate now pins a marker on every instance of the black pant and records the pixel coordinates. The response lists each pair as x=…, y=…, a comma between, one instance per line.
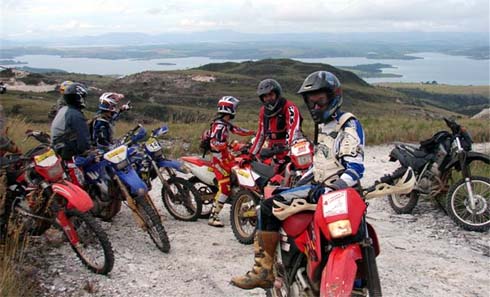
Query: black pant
x=268, y=222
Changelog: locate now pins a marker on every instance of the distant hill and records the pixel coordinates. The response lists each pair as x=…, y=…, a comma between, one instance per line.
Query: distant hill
x=191, y=95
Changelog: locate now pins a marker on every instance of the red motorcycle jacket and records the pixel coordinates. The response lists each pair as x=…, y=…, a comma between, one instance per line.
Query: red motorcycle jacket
x=279, y=130
x=220, y=131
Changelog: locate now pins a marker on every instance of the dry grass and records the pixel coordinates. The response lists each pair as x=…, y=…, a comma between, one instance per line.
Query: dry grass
x=14, y=279
x=378, y=130
x=442, y=88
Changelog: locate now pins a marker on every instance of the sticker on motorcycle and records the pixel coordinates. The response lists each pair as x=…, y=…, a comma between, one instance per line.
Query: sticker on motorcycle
x=152, y=145
x=334, y=204
x=46, y=159
x=117, y=155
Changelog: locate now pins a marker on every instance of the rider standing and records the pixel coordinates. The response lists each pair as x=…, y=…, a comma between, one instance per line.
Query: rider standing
x=222, y=158
x=339, y=147
x=279, y=119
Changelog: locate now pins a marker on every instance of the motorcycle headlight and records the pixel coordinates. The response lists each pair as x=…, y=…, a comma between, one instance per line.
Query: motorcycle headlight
x=340, y=229
x=122, y=165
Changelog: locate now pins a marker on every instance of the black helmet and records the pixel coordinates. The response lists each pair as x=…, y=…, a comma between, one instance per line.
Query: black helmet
x=75, y=94
x=265, y=87
x=317, y=82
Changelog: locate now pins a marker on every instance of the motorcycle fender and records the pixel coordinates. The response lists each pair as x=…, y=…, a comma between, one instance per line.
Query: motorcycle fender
x=131, y=179
x=339, y=274
x=67, y=227
x=470, y=157
x=77, y=198
x=170, y=164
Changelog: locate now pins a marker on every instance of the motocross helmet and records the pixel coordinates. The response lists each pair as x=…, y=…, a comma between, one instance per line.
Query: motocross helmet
x=64, y=85
x=76, y=94
x=228, y=105
x=322, y=81
x=109, y=101
x=265, y=87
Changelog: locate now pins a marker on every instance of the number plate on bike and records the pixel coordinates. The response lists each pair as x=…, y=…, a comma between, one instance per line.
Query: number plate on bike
x=46, y=159
x=152, y=145
x=334, y=204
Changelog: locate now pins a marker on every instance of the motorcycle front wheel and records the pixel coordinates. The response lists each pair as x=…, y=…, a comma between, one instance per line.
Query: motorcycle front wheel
x=153, y=224
x=93, y=247
x=403, y=203
x=373, y=282
x=459, y=207
x=243, y=216
x=181, y=199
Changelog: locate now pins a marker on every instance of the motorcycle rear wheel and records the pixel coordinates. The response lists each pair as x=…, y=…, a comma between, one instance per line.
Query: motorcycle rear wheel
x=458, y=207
x=181, y=199
x=243, y=216
x=92, y=240
x=153, y=224
x=207, y=194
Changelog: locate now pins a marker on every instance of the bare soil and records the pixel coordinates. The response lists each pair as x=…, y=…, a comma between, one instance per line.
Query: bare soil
x=422, y=254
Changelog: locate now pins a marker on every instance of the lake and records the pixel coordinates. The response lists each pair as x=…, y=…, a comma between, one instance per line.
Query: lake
x=455, y=70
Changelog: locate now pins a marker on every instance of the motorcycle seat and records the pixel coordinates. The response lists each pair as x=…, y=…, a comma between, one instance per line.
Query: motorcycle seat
x=265, y=171
x=410, y=156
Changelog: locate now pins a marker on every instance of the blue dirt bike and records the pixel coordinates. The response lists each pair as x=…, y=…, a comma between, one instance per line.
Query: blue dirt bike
x=131, y=189
x=180, y=198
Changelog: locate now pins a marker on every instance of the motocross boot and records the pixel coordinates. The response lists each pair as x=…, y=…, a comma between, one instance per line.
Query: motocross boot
x=261, y=275
x=214, y=217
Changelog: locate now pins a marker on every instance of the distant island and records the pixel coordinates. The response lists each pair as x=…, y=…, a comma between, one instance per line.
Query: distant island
x=166, y=64
x=11, y=62
x=371, y=70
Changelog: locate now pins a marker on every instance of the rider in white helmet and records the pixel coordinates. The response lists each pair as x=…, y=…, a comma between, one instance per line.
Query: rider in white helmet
x=222, y=159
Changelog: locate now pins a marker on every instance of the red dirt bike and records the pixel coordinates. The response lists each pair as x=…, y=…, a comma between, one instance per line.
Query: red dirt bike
x=250, y=181
x=38, y=198
x=328, y=248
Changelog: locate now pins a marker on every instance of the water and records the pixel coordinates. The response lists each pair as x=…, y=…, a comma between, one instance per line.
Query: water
x=456, y=70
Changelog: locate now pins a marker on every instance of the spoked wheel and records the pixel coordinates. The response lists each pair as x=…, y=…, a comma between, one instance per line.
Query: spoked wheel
x=181, y=199
x=243, y=216
x=459, y=206
x=207, y=194
x=93, y=247
x=403, y=203
x=153, y=224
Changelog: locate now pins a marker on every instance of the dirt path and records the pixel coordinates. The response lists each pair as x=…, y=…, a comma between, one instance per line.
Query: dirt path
x=424, y=254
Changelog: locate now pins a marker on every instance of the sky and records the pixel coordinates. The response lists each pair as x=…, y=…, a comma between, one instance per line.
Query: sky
x=26, y=19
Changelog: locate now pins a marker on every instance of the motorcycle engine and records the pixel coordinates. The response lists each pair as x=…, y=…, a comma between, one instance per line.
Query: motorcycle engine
x=426, y=183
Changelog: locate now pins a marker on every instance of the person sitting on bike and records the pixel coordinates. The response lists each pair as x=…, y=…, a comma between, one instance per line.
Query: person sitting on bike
x=339, y=147
x=103, y=123
x=61, y=101
x=279, y=120
x=6, y=146
x=222, y=158
x=70, y=134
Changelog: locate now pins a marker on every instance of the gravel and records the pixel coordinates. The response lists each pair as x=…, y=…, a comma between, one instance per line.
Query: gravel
x=422, y=254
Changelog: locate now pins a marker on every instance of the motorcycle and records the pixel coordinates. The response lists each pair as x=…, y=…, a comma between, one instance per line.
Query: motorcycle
x=133, y=190
x=38, y=197
x=179, y=196
x=329, y=248
x=256, y=180
x=203, y=178
x=89, y=173
x=434, y=162
x=113, y=180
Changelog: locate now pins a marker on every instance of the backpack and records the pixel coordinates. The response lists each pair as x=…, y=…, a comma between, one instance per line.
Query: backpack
x=205, y=143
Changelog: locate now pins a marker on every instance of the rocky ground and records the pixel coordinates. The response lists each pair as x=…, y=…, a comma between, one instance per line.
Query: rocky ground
x=422, y=254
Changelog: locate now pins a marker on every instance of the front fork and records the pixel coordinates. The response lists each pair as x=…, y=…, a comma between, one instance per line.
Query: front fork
x=465, y=170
